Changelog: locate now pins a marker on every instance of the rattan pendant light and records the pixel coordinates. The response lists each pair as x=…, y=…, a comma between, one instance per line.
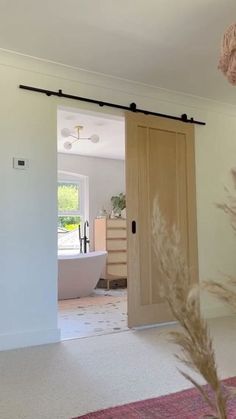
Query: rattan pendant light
x=227, y=61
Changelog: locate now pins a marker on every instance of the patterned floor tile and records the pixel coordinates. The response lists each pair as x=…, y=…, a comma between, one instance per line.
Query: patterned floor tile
x=101, y=313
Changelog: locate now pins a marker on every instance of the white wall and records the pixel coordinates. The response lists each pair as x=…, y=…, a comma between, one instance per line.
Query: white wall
x=28, y=212
x=106, y=177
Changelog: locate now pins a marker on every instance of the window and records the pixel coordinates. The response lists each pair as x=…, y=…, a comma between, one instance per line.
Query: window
x=71, y=212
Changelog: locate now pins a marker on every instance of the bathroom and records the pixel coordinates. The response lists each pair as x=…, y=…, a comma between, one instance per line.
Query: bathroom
x=92, y=268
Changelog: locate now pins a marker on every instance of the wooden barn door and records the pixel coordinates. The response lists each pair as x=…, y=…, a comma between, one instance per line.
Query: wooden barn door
x=160, y=160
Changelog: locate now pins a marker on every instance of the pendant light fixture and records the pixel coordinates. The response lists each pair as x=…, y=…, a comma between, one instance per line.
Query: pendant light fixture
x=66, y=132
x=227, y=61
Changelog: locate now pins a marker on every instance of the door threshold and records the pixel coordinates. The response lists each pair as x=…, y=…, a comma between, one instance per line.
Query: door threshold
x=65, y=339
x=155, y=325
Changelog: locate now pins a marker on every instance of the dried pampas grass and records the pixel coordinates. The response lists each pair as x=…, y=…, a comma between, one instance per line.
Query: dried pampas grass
x=194, y=340
x=223, y=292
x=229, y=207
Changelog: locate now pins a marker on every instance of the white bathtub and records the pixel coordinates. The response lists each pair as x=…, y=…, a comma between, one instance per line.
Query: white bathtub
x=78, y=273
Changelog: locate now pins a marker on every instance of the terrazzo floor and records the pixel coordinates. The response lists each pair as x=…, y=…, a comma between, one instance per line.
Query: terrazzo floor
x=103, y=312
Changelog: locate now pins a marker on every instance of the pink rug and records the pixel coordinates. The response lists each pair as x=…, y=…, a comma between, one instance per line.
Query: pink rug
x=187, y=404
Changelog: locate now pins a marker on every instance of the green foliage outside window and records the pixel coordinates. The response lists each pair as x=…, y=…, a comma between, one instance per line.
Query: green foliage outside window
x=68, y=200
x=69, y=223
x=68, y=197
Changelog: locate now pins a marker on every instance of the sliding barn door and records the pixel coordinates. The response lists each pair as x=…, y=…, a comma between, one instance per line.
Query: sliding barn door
x=160, y=161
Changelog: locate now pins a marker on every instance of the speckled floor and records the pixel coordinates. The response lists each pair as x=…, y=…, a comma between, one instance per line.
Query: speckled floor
x=71, y=378
x=101, y=313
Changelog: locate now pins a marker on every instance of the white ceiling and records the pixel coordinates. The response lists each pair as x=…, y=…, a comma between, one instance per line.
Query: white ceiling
x=110, y=129
x=168, y=43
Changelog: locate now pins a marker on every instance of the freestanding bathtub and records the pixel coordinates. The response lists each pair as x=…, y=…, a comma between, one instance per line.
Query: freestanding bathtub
x=78, y=273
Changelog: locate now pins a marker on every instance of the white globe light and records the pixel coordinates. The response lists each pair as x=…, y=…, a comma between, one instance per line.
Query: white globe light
x=94, y=138
x=65, y=132
x=68, y=145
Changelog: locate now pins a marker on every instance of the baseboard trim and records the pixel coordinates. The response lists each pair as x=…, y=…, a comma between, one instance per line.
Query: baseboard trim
x=29, y=338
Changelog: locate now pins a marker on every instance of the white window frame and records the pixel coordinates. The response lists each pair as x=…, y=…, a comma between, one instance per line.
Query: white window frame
x=83, y=183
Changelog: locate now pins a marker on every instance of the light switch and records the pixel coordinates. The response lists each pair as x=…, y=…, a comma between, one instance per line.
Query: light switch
x=20, y=163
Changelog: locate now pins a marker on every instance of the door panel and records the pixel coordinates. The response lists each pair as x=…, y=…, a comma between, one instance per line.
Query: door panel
x=159, y=162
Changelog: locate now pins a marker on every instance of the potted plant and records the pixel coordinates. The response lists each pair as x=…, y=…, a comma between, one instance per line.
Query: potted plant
x=119, y=205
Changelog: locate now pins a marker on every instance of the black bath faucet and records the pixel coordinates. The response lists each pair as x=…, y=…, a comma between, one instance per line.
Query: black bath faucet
x=84, y=241
x=80, y=241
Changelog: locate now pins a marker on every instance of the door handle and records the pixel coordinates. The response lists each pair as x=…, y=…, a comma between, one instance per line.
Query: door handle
x=133, y=224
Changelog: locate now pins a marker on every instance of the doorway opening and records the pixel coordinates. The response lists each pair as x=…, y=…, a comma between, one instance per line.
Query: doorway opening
x=92, y=238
